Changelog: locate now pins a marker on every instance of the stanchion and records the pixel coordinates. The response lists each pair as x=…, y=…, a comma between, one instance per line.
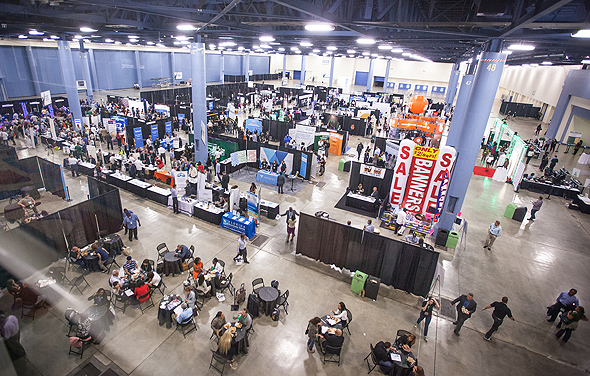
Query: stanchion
x=68, y=198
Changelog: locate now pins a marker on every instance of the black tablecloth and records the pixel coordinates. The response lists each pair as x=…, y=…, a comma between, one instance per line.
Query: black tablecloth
x=172, y=264
x=271, y=212
x=92, y=263
x=269, y=296
x=100, y=318
x=553, y=190
x=400, y=368
x=148, y=173
x=240, y=338
x=157, y=197
x=113, y=241
x=354, y=202
x=584, y=208
x=140, y=191
x=165, y=315
x=207, y=215
x=88, y=171
x=14, y=212
x=116, y=182
x=327, y=324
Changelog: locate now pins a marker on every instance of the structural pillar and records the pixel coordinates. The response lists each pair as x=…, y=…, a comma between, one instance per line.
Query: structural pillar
x=221, y=68
x=485, y=84
x=452, y=88
x=86, y=70
x=138, y=69
x=172, y=67
x=95, y=86
x=247, y=67
x=69, y=76
x=370, y=78
x=33, y=66
x=331, y=72
x=302, y=78
x=284, y=66
x=456, y=127
x=386, y=77
x=199, y=92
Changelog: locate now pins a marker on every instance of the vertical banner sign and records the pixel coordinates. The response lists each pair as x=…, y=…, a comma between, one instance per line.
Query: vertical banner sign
x=443, y=166
x=401, y=172
x=168, y=127
x=420, y=178
x=303, y=166
x=442, y=193
x=154, y=129
x=252, y=205
x=50, y=109
x=138, y=137
x=23, y=105
x=52, y=128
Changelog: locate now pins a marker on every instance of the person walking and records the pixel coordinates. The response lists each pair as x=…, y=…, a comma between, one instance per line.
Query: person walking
x=530, y=153
x=538, y=130
x=312, y=333
x=536, y=207
x=553, y=145
x=242, y=249
x=494, y=231
x=291, y=219
x=544, y=161
x=10, y=333
x=567, y=300
x=131, y=221
x=553, y=162
x=578, y=146
x=280, y=182
x=426, y=313
x=174, y=194
x=501, y=310
x=466, y=307
x=359, y=150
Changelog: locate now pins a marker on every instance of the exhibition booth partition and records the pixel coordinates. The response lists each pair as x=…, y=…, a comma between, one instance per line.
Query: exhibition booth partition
x=398, y=264
x=370, y=176
x=30, y=172
x=137, y=128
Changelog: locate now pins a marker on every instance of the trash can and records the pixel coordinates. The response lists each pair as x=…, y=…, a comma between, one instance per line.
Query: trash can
x=509, y=212
x=358, y=282
x=372, y=287
x=519, y=214
x=452, y=240
x=341, y=165
x=441, y=237
x=347, y=166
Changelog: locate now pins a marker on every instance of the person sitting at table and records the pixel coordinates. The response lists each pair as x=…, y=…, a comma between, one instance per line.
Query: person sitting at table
x=375, y=193
x=141, y=289
x=244, y=318
x=83, y=330
x=76, y=257
x=228, y=348
x=222, y=203
x=360, y=190
x=159, y=163
x=218, y=322
x=117, y=289
x=382, y=352
x=130, y=265
x=275, y=167
x=146, y=266
x=153, y=279
x=98, y=298
x=264, y=164
x=29, y=296
x=253, y=188
x=28, y=202
x=216, y=267
x=115, y=278
x=189, y=296
x=185, y=314
x=202, y=287
x=369, y=226
x=182, y=251
x=341, y=313
x=14, y=288
x=412, y=238
x=102, y=255
x=197, y=268
x=405, y=342
x=333, y=340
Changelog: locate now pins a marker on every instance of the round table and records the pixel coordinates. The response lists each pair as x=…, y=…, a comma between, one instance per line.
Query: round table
x=172, y=264
x=99, y=316
x=269, y=296
x=113, y=241
x=240, y=337
x=325, y=323
x=401, y=368
x=14, y=212
x=166, y=308
x=91, y=262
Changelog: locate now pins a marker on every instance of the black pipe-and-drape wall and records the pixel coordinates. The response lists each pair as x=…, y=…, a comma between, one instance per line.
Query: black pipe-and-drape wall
x=354, y=126
x=401, y=265
x=52, y=177
x=368, y=182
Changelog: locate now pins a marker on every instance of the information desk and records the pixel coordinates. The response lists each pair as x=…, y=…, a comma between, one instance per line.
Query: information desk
x=366, y=203
x=118, y=180
x=138, y=187
x=164, y=176
x=217, y=192
x=149, y=171
x=267, y=177
x=86, y=168
x=185, y=204
x=209, y=213
x=583, y=203
x=158, y=194
x=271, y=208
x=553, y=190
x=239, y=224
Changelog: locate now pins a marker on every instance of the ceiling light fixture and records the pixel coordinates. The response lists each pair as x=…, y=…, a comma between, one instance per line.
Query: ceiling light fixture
x=22, y=36
x=35, y=32
x=406, y=54
x=264, y=45
x=365, y=41
x=160, y=45
x=366, y=53
x=228, y=44
x=397, y=50
x=281, y=49
x=316, y=50
x=319, y=26
x=331, y=48
x=54, y=37
x=584, y=33
x=108, y=40
x=507, y=52
x=117, y=42
x=385, y=47
x=240, y=48
x=586, y=61
x=185, y=27
x=266, y=38
x=547, y=63
x=350, y=51
x=521, y=47
x=150, y=43
x=294, y=48
x=86, y=29
x=305, y=44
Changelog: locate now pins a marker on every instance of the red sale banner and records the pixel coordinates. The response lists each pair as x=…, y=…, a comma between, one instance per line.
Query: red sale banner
x=444, y=164
x=401, y=172
x=421, y=170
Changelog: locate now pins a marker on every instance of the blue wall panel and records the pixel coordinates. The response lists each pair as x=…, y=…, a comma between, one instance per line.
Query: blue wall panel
x=259, y=64
x=154, y=65
x=49, y=70
x=115, y=69
x=182, y=63
x=232, y=65
x=361, y=78
x=212, y=67
x=15, y=69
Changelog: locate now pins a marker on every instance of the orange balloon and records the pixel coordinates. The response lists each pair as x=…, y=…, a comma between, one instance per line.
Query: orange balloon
x=418, y=104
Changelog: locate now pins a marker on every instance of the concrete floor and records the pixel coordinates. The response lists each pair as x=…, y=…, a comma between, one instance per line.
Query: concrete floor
x=530, y=263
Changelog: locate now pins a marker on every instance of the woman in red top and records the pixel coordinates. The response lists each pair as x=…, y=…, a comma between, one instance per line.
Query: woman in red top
x=141, y=290
x=159, y=163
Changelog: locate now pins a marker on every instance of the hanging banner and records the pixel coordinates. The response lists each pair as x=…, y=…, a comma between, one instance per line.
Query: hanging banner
x=254, y=125
x=180, y=179
x=50, y=109
x=154, y=129
x=423, y=163
x=168, y=127
x=303, y=165
x=52, y=128
x=401, y=172
x=23, y=105
x=443, y=166
x=442, y=193
x=372, y=171
x=138, y=137
x=251, y=156
x=46, y=96
x=252, y=205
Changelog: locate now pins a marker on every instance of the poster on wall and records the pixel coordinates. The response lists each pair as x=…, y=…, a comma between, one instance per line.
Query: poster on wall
x=138, y=136
x=375, y=172
x=276, y=155
x=336, y=143
x=304, y=134
x=254, y=125
x=154, y=129
x=303, y=167
x=251, y=156
x=168, y=127
x=46, y=97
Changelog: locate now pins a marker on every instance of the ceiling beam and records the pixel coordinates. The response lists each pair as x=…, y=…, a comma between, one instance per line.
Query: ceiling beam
x=550, y=6
x=229, y=7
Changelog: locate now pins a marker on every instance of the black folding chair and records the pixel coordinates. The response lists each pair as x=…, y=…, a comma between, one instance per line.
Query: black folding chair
x=111, y=260
x=255, y=285
x=222, y=263
x=72, y=318
x=143, y=306
x=282, y=301
x=226, y=284
x=162, y=249
x=188, y=323
x=191, y=257
x=79, y=281
x=216, y=360
x=346, y=326
x=373, y=359
x=330, y=353
x=400, y=333
x=119, y=302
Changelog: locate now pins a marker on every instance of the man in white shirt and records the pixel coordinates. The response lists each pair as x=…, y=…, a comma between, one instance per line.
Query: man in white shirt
x=493, y=232
x=369, y=227
x=400, y=221
x=115, y=278
x=73, y=162
x=242, y=249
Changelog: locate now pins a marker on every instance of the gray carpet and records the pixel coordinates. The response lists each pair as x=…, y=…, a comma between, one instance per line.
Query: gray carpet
x=249, y=175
